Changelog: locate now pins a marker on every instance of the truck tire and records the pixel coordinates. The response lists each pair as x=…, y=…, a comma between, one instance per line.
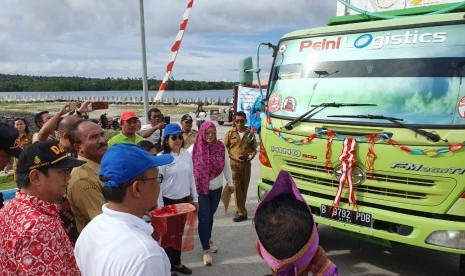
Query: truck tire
x=220, y=123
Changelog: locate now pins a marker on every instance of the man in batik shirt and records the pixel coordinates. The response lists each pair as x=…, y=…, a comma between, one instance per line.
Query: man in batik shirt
x=33, y=240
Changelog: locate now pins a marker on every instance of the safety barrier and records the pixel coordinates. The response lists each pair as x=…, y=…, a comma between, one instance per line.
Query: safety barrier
x=112, y=99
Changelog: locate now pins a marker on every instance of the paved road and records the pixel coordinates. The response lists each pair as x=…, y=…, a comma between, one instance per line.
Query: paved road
x=237, y=255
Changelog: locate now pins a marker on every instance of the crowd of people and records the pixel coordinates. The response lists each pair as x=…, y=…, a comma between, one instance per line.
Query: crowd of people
x=84, y=203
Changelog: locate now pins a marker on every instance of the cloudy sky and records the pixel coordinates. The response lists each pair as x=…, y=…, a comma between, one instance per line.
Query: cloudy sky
x=101, y=38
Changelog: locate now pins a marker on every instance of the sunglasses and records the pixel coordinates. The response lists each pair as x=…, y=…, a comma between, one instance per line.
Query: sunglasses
x=187, y=122
x=208, y=133
x=240, y=121
x=174, y=137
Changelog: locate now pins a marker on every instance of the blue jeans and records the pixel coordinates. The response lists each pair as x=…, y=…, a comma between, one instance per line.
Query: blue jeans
x=207, y=208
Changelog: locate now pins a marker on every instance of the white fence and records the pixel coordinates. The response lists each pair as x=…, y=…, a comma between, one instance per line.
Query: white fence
x=112, y=99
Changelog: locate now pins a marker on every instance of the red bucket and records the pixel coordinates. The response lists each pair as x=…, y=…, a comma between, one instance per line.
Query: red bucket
x=175, y=225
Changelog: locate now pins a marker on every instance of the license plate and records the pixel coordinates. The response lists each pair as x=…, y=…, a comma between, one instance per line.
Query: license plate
x=345, y=215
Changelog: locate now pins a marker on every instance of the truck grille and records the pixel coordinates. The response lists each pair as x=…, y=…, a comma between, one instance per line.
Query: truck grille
x=408, y=189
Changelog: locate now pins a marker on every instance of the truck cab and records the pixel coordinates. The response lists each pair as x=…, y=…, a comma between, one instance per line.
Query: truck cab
x=368, y=116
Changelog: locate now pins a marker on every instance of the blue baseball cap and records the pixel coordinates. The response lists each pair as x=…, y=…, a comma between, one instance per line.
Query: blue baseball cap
x=172, y=129
x=123, y=162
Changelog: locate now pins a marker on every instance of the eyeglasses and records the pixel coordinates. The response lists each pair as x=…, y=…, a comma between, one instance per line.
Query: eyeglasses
x=158, y=179
x=174, y=137
x=208, y=133
x=240, y=121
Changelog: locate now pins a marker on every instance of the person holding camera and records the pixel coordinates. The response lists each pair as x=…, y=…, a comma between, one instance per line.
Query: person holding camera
x=241, y=145
x=128, y=132
x=153, y=132
x=48, y=125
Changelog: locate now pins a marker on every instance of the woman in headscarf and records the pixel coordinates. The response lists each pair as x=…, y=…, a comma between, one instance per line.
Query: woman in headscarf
x=211, y=164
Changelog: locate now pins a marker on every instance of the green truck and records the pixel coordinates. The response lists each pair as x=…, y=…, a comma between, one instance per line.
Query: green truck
x=368, y=116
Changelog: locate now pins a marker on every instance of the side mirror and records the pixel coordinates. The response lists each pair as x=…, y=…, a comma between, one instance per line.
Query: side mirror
x=245, y=71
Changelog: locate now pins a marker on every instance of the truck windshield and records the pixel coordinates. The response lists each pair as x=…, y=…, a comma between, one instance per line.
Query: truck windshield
x=415, y=74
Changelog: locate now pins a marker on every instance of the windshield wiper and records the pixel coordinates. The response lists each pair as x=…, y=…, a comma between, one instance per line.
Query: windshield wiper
x=307, y=114
x=430, y=136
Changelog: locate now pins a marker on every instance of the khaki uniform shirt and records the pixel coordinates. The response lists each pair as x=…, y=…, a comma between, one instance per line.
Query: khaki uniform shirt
x=189, y=138
x=24, y=141
x=85, y=193
x=237, y=146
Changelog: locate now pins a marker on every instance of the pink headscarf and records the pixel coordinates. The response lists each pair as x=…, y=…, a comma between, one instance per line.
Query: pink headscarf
x=208, y=159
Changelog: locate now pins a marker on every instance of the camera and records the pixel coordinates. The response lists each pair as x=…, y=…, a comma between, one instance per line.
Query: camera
x=167, y=119
x=98, y=105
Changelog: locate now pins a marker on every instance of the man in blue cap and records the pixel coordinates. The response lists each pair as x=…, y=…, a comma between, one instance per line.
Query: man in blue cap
x=119, y=241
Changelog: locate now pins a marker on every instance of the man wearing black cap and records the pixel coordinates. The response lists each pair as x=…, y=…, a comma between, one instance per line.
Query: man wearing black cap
x=188, y=133
x=9, y=147
x=9, y=144
x=32, y=237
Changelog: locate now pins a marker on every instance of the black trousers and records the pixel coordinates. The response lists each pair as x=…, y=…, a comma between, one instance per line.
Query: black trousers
x=173, y=254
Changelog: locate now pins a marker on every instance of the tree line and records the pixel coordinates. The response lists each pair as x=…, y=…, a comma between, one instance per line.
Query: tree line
x=19, y=83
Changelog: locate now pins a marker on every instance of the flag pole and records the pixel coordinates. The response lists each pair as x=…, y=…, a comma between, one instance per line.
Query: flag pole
x=174, y=51
x=144, y=60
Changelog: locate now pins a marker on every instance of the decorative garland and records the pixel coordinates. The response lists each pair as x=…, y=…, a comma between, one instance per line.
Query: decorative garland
x=348, y=158
x=371, y=138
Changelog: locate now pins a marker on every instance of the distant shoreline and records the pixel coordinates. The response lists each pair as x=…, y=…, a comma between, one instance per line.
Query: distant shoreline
x=21, y=83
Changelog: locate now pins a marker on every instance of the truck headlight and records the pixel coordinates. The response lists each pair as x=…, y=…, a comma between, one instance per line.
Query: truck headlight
x=451, y=239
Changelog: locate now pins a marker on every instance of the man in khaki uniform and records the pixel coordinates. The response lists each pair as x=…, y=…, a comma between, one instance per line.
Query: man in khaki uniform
x=188, y=133
x=241, y=145
x=85, y=190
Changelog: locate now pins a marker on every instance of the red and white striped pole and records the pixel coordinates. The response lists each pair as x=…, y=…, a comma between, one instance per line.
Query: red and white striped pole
x=174, y=50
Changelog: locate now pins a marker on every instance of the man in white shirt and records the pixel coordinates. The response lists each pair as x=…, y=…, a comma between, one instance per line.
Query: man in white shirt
x=153, y=131
x=119, y=241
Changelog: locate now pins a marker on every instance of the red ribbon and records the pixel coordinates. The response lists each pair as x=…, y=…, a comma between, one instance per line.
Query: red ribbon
x=348, y=161
x=165, y=210
x=371, y=155
x=331, y=135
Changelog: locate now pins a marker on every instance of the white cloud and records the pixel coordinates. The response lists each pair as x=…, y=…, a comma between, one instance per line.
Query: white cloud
x=101, y=38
